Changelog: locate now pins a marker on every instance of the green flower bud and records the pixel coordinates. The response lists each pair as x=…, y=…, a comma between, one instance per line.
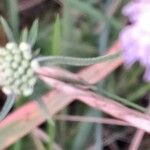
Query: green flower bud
x=17, y=69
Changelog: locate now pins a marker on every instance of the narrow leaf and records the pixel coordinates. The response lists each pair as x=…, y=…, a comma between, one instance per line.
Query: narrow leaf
x=93, y=14
x=13, y=16
x=7, y=29
x=33, y=33
x=7, y=106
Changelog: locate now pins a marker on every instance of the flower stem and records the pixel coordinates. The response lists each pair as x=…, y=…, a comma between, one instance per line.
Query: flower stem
x=77, y=61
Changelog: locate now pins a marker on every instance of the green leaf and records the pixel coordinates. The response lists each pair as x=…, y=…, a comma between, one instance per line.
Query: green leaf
x=122, y=100
x=84, y=132
x=7, y=29
x=24, y=35
x=56, y=37
x=7, y=106
x=51, y=124
x=33, y=33
x=67, y=24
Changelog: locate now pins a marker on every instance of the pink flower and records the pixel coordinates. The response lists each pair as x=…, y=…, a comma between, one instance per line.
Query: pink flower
x=135, y=38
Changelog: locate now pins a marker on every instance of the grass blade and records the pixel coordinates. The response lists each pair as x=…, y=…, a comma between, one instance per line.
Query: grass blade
x=56, y=37
x=122, y=100
x=93, y=14
x=84, y=132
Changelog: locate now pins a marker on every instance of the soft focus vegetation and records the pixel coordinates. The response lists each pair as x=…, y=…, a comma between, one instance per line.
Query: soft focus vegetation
x=79, y=28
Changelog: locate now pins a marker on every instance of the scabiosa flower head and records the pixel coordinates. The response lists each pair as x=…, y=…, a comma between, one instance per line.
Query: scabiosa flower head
x=135, y=38
x=17, y=69
x=134, y=8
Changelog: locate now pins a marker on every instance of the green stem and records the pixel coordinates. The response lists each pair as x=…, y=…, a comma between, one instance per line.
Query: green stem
x=77, y=61
x=51, y=125
x=122, y=100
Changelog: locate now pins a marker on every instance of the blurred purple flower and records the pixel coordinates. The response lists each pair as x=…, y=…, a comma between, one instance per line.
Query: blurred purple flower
x=134, y=8
x=135, y=38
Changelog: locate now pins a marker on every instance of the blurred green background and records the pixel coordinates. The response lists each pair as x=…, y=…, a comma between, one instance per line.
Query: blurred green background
x=79, y=28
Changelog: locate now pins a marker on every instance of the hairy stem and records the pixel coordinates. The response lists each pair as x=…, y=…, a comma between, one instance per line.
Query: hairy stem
x=76, y=61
